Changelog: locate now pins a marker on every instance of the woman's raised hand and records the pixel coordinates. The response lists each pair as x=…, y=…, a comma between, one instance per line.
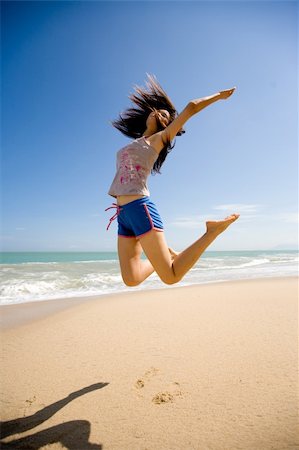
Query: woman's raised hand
x=227, y=93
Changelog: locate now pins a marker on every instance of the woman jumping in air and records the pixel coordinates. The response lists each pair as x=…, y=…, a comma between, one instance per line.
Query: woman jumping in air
x=153, y=123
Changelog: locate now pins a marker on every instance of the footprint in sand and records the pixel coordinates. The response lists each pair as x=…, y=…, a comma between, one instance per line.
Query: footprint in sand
x=30, y=401
x=162, y=397
x=140, y=383
x=167, y=397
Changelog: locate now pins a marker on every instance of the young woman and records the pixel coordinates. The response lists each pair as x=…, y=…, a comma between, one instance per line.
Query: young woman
x=153, y=123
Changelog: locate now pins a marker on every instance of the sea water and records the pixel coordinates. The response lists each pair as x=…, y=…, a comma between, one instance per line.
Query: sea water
x=40, y=276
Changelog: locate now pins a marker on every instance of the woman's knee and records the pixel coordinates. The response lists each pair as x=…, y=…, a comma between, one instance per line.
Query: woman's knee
x=169, y=281
x=170, y=277
x=130, y=282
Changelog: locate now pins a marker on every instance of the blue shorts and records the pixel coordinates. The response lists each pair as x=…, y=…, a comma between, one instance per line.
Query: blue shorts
x=138, y=218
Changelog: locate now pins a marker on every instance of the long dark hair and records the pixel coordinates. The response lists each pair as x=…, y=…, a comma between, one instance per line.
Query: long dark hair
x=132, y=122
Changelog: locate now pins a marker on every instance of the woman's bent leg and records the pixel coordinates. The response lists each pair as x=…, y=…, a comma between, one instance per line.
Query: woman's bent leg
x=171, y=271
x=133, y=269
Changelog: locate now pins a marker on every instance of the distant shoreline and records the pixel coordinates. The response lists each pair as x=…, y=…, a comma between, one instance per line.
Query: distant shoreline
x=6, y=256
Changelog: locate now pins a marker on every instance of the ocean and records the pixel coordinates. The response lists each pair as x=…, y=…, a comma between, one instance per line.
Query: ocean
x=27, y=277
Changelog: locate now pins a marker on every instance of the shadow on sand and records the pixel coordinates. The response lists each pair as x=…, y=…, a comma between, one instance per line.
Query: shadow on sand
x=74, y=435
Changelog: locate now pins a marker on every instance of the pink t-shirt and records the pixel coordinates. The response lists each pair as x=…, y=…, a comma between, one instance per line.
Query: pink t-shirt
x=133, y=166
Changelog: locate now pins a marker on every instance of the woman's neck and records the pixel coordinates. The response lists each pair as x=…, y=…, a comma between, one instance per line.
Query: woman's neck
x=149, y=132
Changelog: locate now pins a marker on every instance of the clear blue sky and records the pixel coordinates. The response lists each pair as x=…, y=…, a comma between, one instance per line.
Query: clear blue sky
x=67, y=70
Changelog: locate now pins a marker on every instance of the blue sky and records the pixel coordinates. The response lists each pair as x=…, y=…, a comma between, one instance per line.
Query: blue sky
x=67, y=70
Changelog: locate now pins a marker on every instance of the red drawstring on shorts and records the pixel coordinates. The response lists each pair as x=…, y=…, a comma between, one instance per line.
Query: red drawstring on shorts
x=118, y=210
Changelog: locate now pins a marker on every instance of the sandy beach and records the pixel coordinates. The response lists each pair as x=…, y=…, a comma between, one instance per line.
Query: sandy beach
x=208, y=367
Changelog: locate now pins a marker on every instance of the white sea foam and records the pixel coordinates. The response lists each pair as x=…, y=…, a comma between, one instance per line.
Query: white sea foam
x=39, y=263
x=34, y=281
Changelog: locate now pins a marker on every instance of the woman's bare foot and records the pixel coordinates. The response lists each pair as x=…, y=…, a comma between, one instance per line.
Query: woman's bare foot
x=218, y=226
x=173, y=253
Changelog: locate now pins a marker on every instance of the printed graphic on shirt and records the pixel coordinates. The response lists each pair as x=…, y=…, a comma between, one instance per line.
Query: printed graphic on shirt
x=130, y=169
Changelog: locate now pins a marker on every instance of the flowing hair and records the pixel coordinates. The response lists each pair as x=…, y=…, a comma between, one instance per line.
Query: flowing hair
x=132, y=122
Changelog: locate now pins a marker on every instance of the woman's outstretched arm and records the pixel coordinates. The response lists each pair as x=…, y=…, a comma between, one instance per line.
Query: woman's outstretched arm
x=192, y=108
x=201, y=103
